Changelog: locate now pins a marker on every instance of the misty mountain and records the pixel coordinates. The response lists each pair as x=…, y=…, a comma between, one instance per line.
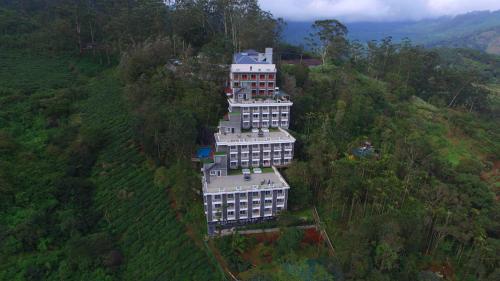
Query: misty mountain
x=477, y=30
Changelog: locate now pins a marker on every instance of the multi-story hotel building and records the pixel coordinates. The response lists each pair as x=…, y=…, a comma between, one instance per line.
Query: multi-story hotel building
x=252, y=135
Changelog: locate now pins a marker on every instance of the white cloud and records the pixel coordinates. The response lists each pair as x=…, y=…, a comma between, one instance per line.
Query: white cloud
x=373, y=10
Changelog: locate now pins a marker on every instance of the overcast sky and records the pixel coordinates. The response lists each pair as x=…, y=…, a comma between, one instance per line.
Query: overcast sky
x=373, y=10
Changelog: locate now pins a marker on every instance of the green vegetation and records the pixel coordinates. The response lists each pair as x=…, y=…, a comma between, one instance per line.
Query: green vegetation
x=291, y=254
x=427, y=198
x=78, y=199
x=98, y=123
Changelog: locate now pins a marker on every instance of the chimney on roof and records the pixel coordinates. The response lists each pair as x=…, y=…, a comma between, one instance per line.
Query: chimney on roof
x=269, y=55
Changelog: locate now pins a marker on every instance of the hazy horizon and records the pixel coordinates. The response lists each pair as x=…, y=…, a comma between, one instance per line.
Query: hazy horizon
x=373, y=10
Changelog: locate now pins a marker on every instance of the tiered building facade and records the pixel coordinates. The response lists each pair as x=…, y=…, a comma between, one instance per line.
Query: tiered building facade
x=242, y=184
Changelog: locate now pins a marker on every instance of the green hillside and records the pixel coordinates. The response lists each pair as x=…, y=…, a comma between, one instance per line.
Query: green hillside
x=102, y=106
x=132, y=224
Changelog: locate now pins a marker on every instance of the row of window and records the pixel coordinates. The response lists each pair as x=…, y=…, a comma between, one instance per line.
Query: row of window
x=255, y=204
x=257, y=163
x=258, y=147
x=256, y=155
x=265, y=109
x=243, y=195
x=244, y=213
x=265, y=115
x=255, y=85
x=264, y=124
x=244, y=76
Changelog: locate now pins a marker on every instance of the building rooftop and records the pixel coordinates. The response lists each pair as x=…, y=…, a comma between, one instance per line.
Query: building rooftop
x=236, y=183
x=253, y=57
x=255, y=137
x=253, y=67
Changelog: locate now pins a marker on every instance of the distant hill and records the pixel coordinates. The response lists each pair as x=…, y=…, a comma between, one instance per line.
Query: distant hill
x=477, y=30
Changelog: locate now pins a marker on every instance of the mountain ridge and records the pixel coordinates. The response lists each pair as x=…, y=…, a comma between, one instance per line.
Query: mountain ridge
x=479, y=30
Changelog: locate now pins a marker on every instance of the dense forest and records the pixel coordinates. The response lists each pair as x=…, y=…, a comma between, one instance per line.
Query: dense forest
x=98, y=122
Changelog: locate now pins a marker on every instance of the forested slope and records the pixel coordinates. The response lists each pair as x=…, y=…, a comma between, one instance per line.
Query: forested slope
x=424, y=198
x=154, y=243
x=78, y=199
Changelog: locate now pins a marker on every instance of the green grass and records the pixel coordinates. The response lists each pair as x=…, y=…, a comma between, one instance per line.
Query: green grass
x=267, y=170
x=236, y=172
x=153, y=241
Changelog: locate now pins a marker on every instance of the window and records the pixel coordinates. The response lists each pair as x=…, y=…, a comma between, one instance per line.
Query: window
x=218, y=205
x=262, y=84
x=256, y=115
x=268, y=192
x=243, y=204
x=270, y=84
x=217, y=197
x=256, y=211
x=280, y=192
x=269, y=201
x=230, y=213
x=230, y=205
x=271, y=76
x=213, y=173
x=275, y=115
x=254, y=194
x=284, y=123
x=254, y=85
x=230, y=196
x=236, y=76
x=271, y=92
x=244, y=155
x=265, y=115
x=233, y=147
x=244, y=147
x=281, y=200
x=244, y=77
x=236, y=84
x=243, y=212
x=284, y=115
x=255, y=146
x=262, y=77
x=279, y=209
x=262, y=92
x=253, y=77
x=243, y=195
x=255, y=202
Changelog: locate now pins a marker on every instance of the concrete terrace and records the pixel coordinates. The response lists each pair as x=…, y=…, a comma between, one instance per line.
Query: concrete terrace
x=278, y=136
x=236, y=183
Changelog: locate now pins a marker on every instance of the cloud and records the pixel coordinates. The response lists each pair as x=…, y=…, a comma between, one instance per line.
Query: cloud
x=373, y=10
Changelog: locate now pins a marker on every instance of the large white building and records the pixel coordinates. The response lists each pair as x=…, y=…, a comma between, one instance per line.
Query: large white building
x=242, y=183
